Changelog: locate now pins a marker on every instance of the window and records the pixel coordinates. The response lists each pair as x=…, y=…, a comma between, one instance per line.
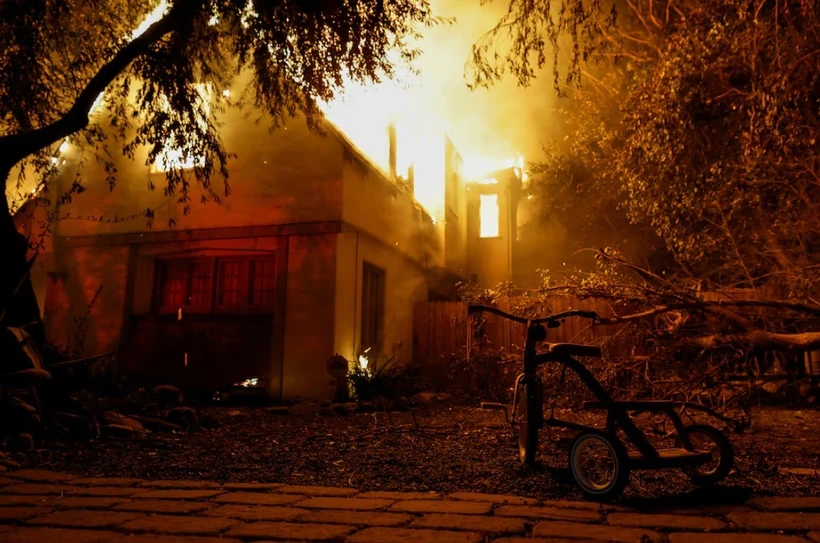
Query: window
x=242, y=285
x=488, y=215
x=262, y=282
x=185, y=284
x=246, y=284
x=372, y=307
x=233, y=284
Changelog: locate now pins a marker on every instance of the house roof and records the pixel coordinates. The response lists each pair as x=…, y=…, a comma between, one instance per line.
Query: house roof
x=367, y=162
x=333, y=130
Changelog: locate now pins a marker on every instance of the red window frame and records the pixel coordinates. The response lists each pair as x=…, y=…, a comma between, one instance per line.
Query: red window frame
x=216, y=285
x=184, y=284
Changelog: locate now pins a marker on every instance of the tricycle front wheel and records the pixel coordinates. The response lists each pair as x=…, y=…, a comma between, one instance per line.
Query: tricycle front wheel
x=708, y=438
x=529, y=421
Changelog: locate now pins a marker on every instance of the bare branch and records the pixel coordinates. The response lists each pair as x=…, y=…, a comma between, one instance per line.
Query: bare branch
x=21, y=145
x=806, y=309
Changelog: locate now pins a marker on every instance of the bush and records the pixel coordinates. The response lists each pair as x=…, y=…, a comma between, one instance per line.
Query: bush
x=386, y=381
x=486, y=375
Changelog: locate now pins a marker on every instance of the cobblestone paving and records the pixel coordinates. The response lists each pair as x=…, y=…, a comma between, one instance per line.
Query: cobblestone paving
x=46, y=507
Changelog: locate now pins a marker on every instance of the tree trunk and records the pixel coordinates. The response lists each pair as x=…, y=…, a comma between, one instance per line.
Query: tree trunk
x=18, y=303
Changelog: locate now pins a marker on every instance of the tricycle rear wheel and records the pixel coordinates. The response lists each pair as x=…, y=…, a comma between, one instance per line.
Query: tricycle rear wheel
x=709, y=438
x=599, y=465
x=529, y=421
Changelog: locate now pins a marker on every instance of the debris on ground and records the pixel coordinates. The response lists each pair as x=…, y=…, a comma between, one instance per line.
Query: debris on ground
x=440, y=448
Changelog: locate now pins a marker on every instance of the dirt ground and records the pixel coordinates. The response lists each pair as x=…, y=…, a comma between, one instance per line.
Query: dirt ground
x=446, y=449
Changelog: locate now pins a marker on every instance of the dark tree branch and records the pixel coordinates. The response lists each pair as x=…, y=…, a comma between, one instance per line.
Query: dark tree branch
x=18, y=146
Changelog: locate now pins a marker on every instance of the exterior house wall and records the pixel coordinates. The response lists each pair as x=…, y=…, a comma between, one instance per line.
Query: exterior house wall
x=310, y=317
x=490, y=259
x=384, y=227
x=380, y=208
x=455, y=209
x=348, y=296
x=300, y=331
x=288, y=176
x=291, y=177
x=314, y=202
x=91, y=290
x=405, y=284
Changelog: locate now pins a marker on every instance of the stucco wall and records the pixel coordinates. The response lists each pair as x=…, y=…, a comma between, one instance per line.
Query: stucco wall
x=384, y=227
x=310, y=316
x=376, y=206
x=405, y=284
x=348, y=294
x=289, y=176
x=71, y=296
x=307, y=296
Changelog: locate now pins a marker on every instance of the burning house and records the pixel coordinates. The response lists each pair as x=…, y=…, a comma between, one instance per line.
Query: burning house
x=316, y=252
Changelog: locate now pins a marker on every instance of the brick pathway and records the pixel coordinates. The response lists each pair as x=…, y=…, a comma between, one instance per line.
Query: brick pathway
x=46, y=507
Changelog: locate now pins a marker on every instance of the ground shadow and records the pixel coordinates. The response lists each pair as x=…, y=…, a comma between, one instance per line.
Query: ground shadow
x=718, y=495
x=698, y=497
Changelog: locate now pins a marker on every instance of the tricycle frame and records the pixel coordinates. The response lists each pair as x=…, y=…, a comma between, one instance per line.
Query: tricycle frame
x=646, y=455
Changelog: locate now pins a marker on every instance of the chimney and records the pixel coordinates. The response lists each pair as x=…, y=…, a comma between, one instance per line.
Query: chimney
x=411, y=177
x=391, y=134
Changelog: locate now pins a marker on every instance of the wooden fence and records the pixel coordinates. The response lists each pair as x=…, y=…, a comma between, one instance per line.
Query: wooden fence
x=441, y=329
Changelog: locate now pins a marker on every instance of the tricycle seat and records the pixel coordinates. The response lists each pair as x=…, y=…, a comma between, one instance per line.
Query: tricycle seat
x=573, y=349
x=669, y=458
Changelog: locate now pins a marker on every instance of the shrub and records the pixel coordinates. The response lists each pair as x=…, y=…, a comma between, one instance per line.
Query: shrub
x=389, y=380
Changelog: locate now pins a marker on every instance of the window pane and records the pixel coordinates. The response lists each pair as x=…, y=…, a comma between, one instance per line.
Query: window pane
x=184, y=283
x=488, y=215
x=372, y=306
x=233, y=284
x=262, y=283
x=173, y=283
x=200, y=290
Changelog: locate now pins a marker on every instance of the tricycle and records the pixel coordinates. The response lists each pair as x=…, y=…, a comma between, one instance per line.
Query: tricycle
x=600, y=462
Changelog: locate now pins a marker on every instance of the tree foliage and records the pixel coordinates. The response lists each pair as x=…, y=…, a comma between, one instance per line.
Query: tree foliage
x=58, y=57
x=697, y=123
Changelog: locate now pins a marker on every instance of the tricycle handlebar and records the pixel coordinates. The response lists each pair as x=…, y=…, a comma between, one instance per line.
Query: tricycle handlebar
x=552, y=318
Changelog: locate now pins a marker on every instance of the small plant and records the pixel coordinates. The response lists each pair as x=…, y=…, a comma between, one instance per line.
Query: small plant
x=389, y=380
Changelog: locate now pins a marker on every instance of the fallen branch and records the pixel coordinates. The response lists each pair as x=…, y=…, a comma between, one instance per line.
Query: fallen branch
x=804, y=341
x=736, y=425
x=659, y=310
